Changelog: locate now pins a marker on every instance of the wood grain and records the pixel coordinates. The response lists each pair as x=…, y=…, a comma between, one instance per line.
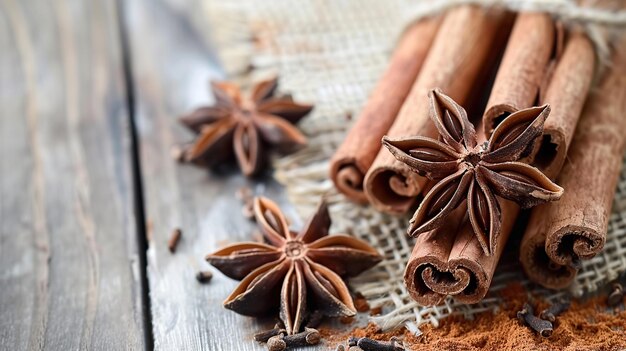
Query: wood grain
x=69, y=264
x=171, y=69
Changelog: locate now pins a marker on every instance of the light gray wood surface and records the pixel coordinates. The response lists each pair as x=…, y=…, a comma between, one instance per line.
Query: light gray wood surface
x=171, y=69
x=73, y=236
x=70, y=274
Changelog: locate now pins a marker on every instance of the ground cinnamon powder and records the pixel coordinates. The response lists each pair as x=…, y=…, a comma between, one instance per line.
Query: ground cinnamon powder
x=587, y=325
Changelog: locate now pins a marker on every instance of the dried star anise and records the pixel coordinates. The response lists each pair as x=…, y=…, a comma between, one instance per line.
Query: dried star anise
x=301, y=268
x=466, y=170
x=244, y=126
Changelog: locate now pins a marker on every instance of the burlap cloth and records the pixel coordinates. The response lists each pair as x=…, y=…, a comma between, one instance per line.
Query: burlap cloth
x=331, y=52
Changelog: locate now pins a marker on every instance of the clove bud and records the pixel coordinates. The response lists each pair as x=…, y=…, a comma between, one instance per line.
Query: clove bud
x=367, y=344
x=541, y=326
x=264, y=336
x=281, y=342
x=554, y=310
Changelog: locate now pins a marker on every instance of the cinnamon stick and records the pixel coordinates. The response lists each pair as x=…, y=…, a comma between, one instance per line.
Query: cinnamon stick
x=355, y=156
x=575, y=227
x=449, y=261
x=527, y=59
x=566, y=94
x=523, y=66
x=459, y=53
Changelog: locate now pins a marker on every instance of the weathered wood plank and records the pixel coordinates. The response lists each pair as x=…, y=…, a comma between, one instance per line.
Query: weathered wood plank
x=69, y=268
x=171, y=69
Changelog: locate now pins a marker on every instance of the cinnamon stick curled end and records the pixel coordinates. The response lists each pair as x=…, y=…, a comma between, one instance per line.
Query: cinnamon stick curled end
x=348, y=178
x=393, y=189
x=540, y=268
x=448, y=261
x=430, y=281
x=495, y=115
x=568, y=245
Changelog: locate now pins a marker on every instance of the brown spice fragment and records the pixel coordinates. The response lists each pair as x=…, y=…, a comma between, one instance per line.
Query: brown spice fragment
x=204, y=276
x=172, y=243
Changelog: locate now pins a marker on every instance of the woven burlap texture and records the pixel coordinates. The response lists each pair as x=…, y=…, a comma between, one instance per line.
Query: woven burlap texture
x=332, y=53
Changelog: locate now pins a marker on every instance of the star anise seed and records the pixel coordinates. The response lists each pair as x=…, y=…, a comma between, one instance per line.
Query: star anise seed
x=468, y=170
x=304, y=268
x=244, y=127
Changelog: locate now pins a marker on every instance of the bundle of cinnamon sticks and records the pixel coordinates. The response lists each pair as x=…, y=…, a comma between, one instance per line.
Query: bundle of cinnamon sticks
x=536, y=61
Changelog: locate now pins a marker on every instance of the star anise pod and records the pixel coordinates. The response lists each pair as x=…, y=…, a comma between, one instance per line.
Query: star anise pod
x=473, y=172
x=302, y=268
x=243, y=126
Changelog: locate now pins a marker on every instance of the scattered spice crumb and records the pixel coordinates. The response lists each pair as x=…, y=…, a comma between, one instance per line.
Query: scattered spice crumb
x=586, y=325
x=204, y=276
x=174, y=239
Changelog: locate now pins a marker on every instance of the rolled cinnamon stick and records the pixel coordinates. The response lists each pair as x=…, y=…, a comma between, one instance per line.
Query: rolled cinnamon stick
x=459, y=53
x=355, y=156
x=566, y=93
x=575, y=227
x=450, y=261
x=522, y=70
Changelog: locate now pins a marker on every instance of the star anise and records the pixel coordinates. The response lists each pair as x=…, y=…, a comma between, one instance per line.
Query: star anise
x=243, y=126
x=466, y=170
x=301, y=268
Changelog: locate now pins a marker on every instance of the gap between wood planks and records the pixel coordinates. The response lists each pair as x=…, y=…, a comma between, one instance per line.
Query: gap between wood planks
x=138, y=198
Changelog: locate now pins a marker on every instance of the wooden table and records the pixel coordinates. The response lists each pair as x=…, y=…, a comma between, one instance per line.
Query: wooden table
x=89, y=192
